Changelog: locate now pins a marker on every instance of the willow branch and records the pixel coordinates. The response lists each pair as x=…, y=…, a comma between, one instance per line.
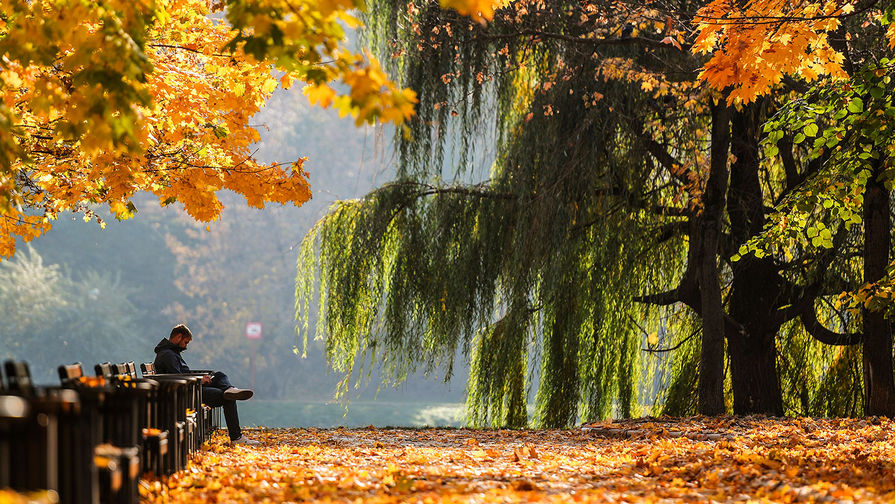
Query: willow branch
x=661, y=298
x=670, y=230
x=670, y=211
x=665, y=159
x=675, y=347
x=824, y=335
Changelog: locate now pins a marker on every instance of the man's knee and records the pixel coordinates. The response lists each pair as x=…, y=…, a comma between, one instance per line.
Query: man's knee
x=213, y=396
x=220, y=380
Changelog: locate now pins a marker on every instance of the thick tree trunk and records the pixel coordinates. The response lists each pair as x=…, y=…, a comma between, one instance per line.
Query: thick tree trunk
x=753, y=371
x=879, y=387
x=752, y=349
x=756, y=282
x=711, y=363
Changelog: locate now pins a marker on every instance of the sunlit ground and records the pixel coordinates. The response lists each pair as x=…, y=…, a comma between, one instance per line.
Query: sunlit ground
x=290, y=413
x=692, y=460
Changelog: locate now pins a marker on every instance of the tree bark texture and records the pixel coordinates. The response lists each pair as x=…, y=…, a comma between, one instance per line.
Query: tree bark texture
x=879, y=387
x=756, y=285
x=711, y=363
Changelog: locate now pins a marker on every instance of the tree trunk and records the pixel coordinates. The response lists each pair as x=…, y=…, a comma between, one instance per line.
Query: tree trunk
x=756, y=283
x=711, y=362
x=753, y=371
x=879, y=387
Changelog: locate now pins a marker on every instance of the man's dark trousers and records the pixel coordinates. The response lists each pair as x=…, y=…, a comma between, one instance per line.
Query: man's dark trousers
x=213, y=395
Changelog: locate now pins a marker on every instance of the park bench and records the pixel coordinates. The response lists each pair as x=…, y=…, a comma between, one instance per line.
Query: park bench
x=117, y=409
x=85, y=438
x=90, y=438
x=149, y=432
x=210, y=417
x=50, y=446
x=177, y=398
x=182, y=397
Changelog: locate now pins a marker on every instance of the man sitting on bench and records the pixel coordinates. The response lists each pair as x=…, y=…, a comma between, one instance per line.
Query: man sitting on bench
x=216, y=388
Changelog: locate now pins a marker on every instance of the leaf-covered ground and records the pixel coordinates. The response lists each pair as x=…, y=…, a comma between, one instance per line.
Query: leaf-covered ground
x=653, y=460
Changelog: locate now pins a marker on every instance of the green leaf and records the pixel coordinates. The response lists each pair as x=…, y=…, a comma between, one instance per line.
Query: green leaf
x=800, y=137
x=810, y=130
x=826, y=238
x=856, y=105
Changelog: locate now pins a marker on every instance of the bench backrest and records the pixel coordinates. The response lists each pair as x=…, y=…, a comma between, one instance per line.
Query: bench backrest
x=130, y=369
x=147, y=368
x=121, y=369
x=71, y=373
x=103, y=369
x=18, y=377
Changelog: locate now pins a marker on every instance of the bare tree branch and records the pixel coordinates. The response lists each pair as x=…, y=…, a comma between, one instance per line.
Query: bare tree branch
x=824, y=335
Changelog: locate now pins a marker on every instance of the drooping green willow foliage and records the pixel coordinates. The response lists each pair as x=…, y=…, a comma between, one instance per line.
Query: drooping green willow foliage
x=539, y=205
x=530, y=273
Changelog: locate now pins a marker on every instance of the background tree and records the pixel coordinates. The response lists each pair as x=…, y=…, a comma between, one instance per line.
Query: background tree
x=64, y=318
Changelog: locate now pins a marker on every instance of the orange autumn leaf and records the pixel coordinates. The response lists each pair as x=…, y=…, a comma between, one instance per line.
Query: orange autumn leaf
x=479, y=10
x=750, y=54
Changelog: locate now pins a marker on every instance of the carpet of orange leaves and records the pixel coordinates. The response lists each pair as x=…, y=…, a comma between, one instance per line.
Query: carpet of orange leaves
x=730, y=459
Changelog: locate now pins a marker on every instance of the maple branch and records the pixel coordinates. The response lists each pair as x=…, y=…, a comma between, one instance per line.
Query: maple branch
x=592, y=42
x=765, y=20
x=190, y=49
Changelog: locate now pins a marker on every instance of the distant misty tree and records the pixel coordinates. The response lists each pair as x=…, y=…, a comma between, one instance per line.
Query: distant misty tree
x=51, y=317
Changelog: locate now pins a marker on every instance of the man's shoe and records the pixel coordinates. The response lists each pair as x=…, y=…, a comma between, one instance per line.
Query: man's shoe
x=242, y=440
x=237, y=394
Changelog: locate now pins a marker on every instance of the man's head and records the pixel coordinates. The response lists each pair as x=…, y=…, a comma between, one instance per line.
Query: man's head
x=181, y=336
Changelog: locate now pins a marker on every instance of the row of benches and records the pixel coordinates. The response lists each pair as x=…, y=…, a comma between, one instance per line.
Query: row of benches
x=89, y=440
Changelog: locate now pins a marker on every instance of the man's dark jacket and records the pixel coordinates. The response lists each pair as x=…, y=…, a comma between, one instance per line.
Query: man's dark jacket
x=168, y=359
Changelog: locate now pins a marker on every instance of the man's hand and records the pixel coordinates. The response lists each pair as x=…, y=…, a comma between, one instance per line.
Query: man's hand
x=206, y=379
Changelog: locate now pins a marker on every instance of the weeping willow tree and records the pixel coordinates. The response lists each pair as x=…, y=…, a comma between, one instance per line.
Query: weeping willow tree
x=543, y=220
x=529, y=271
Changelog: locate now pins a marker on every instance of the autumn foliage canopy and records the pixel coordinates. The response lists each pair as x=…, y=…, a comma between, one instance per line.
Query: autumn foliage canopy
x=102, y=100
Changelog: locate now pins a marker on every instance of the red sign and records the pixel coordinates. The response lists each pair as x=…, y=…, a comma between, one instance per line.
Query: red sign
x=253, y=330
